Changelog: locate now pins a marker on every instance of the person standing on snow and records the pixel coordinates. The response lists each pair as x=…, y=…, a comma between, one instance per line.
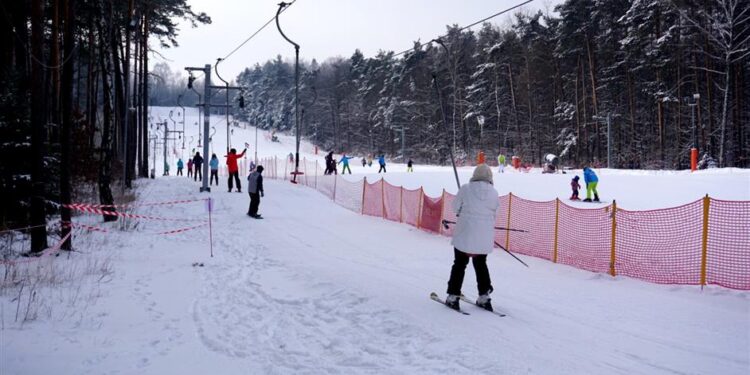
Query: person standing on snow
x=381, y=161
x=575, y=186
x=501, y=163
x=233, y=170
x=214, y=165
x=364, y=162
x=255, y=189
x=589, y=177
x=197, y=164
x=179, y=167
x=475, y=207
x=409, y=166
x=329, y=160
x=345, y=161
x=190, y=168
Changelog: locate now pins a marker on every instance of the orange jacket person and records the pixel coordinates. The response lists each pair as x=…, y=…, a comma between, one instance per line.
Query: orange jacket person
x=232, y=168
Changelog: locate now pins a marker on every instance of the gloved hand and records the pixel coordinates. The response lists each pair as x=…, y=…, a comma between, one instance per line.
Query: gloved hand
x=261, y=194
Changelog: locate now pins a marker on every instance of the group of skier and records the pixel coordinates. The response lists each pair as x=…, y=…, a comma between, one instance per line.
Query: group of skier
x=331, y=164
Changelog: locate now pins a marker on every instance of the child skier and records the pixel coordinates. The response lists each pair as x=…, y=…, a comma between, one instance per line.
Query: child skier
x=589, y=177
x=179, y=167
x=255, y=189
x=475, y=206
x=364, y=162
x=409, y=165
x=575, y=186
x=501, y=163
x=345, y=161
x=190, y=168
x=233, y=170
x=214, y=165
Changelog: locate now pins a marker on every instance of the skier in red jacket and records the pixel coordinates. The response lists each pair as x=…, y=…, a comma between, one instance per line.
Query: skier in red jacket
x=232, y=168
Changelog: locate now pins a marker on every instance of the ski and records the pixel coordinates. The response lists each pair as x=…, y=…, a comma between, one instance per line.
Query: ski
x=498, y=313
x=434, y=297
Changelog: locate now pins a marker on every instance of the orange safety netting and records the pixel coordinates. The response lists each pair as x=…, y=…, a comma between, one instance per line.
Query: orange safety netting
x=538, y=220
x=432, y=209
x=373, y=199
x=411, y=206
x=728, y=245
x=661, y=246
x=583, y=237
x=349, y=194
x=392, y=202
x=699, y=243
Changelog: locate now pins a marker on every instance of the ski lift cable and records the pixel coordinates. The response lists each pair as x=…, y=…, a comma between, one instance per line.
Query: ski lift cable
x=468, y=26
x=256, y=32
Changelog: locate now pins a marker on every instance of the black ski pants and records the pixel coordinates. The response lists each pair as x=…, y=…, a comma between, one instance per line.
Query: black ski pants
x=179, y=172
x=214, y=175
x=461, y=259
x=382, y=168
x=254, y=203
x=198, y=175
x=236, y=176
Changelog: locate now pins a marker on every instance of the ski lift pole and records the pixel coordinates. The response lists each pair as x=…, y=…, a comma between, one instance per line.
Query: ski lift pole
x=283, y=5
x=445, y=122
x=447, y=222
x=226, y=110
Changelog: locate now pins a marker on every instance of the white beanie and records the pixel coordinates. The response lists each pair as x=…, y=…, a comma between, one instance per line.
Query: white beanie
x=482, y=173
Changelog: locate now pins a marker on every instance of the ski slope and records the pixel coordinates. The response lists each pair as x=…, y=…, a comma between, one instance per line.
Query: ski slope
x=314, y=288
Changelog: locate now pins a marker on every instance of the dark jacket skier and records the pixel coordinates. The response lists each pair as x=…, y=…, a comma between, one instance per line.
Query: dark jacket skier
x=255, y=189
x=198, y=165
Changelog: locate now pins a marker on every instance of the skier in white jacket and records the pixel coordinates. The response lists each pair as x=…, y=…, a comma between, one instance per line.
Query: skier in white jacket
x=473, y=237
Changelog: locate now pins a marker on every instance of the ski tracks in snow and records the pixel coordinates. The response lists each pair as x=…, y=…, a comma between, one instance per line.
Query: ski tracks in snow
x=283, y=318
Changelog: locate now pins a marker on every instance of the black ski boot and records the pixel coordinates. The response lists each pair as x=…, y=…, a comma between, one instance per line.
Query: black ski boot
x=452, y=302
x=587, y=200
x=596, y=197
x=484, y=301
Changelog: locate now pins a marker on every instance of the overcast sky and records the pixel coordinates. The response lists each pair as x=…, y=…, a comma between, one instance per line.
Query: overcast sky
x=322, y=28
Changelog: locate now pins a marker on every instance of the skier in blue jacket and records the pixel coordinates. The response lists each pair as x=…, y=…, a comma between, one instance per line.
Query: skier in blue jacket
x=214, y=165
x=589, y=177
x=345, y=160
x=381, y=161
x=180, y=165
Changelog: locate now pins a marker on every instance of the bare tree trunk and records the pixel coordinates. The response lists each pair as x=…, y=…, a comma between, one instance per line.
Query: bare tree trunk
x=105, y=166
x=67, y=114
x=578, y=113
x=38, y=216
x=144, y=113
x=594, y=106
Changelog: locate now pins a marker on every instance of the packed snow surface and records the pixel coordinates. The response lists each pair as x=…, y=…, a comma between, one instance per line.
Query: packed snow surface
x=314, y=288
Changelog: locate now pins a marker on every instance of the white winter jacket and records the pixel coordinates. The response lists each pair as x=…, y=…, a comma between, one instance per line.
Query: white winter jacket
x=476, y=207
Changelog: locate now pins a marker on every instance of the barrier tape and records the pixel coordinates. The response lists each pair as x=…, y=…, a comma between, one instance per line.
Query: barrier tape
x=44, y=253
x=84, y=208
x=137, y=204
x=22, y=229
x=100, y=229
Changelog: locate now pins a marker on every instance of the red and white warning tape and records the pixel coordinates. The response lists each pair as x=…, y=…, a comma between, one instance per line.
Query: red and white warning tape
x=100, y=229
x=44, y=253
x=142, y=204
x=86, y=208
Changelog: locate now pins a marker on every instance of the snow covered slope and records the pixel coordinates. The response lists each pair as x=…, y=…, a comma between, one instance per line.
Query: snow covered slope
x=314, y=288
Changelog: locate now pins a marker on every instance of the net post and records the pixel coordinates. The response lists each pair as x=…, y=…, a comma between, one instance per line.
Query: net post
x=557, y=222
x=612, y=243
x=704, y=239
x=364, y=186
x=401, y=206
x=382, y=197
x=507, y=224
x=316, y=174
x=335, y=179
x=419, y=209
x=442, y=210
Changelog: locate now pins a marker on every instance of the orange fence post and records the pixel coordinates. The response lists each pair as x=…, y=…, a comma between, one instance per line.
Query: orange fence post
x=382, y=197
x=401, y=206
x=419, y=210
x=693, y=159
x=612, y=246
x=507, y=225
x=704, y=239
x=557, y=221
x=364, y=186
x=442, y=210
x=335, y=178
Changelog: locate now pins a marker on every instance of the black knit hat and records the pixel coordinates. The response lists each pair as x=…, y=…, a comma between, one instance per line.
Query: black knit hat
x=259, y=168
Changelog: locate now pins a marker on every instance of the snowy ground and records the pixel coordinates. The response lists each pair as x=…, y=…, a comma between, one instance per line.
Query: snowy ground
x=314, y=288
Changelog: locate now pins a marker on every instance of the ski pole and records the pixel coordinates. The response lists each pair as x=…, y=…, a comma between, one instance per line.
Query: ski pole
x=511, y=254
x=446, y=222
